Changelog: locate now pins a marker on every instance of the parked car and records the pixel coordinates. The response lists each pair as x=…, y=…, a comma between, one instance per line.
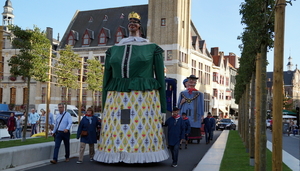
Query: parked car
x=4, y=115
x=226, y=124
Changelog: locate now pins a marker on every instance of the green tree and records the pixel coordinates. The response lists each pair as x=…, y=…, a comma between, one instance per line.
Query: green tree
x=94, y=77
x=66, y=68
x=258, y=16
x=31, y=61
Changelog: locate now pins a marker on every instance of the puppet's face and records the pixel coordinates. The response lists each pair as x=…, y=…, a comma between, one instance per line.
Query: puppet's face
x=192, y=82
x=133, y=25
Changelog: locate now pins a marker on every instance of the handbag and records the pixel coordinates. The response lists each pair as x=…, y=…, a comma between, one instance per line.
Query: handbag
x=84, y=133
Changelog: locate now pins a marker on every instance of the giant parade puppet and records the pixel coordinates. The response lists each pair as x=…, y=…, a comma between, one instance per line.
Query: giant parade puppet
x=133, y=100
x=191, y=102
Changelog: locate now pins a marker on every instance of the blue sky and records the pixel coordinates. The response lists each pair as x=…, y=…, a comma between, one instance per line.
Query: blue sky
x=217, y=21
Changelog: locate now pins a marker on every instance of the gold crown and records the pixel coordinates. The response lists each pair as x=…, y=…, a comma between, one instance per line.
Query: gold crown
x=134, y=15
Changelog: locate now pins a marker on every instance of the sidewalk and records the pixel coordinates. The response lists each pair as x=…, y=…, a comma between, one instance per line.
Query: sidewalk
x=213, y=158
x=210, y=161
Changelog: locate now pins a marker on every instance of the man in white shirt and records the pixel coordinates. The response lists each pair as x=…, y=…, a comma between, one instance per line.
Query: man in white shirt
x=61, y=132
x=33, y=121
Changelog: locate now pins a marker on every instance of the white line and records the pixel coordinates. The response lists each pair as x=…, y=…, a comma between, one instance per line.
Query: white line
x=291, y=161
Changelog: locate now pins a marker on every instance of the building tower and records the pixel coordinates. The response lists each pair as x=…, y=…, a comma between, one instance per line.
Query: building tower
x=169, y=25
x=8, y=16
x=290, y=64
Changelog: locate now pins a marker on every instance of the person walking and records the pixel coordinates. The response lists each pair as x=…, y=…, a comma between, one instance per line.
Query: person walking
x=11, y=125
x=51, y=120
x=33, y=121
x=61, y=133
x=87, y=131
x=212, y=121
x=207, y=128
x=176, y=133
x=19, y=126
x=187, y=131
x=42, y=121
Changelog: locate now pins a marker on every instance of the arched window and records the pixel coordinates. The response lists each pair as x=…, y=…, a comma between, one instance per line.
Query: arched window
x=72, y=37
x=119, y=36
x=102, y=37
x=71, y=40
x=86, y=39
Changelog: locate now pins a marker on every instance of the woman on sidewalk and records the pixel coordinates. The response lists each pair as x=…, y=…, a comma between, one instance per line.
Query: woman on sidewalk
x=88, y=124
x=11, y=125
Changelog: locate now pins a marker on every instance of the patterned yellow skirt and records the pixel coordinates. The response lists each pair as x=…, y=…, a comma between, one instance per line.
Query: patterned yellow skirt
x=132, y=129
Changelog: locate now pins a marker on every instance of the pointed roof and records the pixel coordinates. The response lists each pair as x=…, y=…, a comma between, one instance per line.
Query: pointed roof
x=81, y=22
x=8, y=3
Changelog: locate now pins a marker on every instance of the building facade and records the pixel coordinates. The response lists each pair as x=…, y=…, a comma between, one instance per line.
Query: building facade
x=166, y=23
x=291, y=87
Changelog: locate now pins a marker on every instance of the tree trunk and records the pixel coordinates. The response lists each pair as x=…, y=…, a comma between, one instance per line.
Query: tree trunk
x=27, y=109
x=257, y=117
x=93, y=98
x=66, y=98
x=263, y=108
x=277, y=86
x=252, y=121
x=247, y=98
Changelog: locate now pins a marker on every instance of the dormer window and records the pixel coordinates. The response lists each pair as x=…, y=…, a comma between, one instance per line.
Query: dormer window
x=91, y=19
x=72, y=38
x=105, y=18
x=103, y=36
x=119, y=35
x=86, y=39
x=87, y=36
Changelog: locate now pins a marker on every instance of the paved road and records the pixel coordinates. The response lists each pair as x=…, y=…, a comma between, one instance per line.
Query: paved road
x=290, y=144
x=188, y=159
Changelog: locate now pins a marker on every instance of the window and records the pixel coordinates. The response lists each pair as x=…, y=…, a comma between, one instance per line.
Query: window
x=163, y=22
x=12, y=95
x=183, y=58
x=215, y=77
x=3, y=43
x=63, y=94
x=119, y=36
x=86, y=39
x=102, y=59
x=227, y=81
x=169, y=55
x=215, y=91
x=43, y=95
x=193, y=67
x=73, y=37
x=91, y=20
x=200, y=72
x=105, y=18
x=206, y=102
x=102, y=38
x=71, y=40
x=207, y=75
